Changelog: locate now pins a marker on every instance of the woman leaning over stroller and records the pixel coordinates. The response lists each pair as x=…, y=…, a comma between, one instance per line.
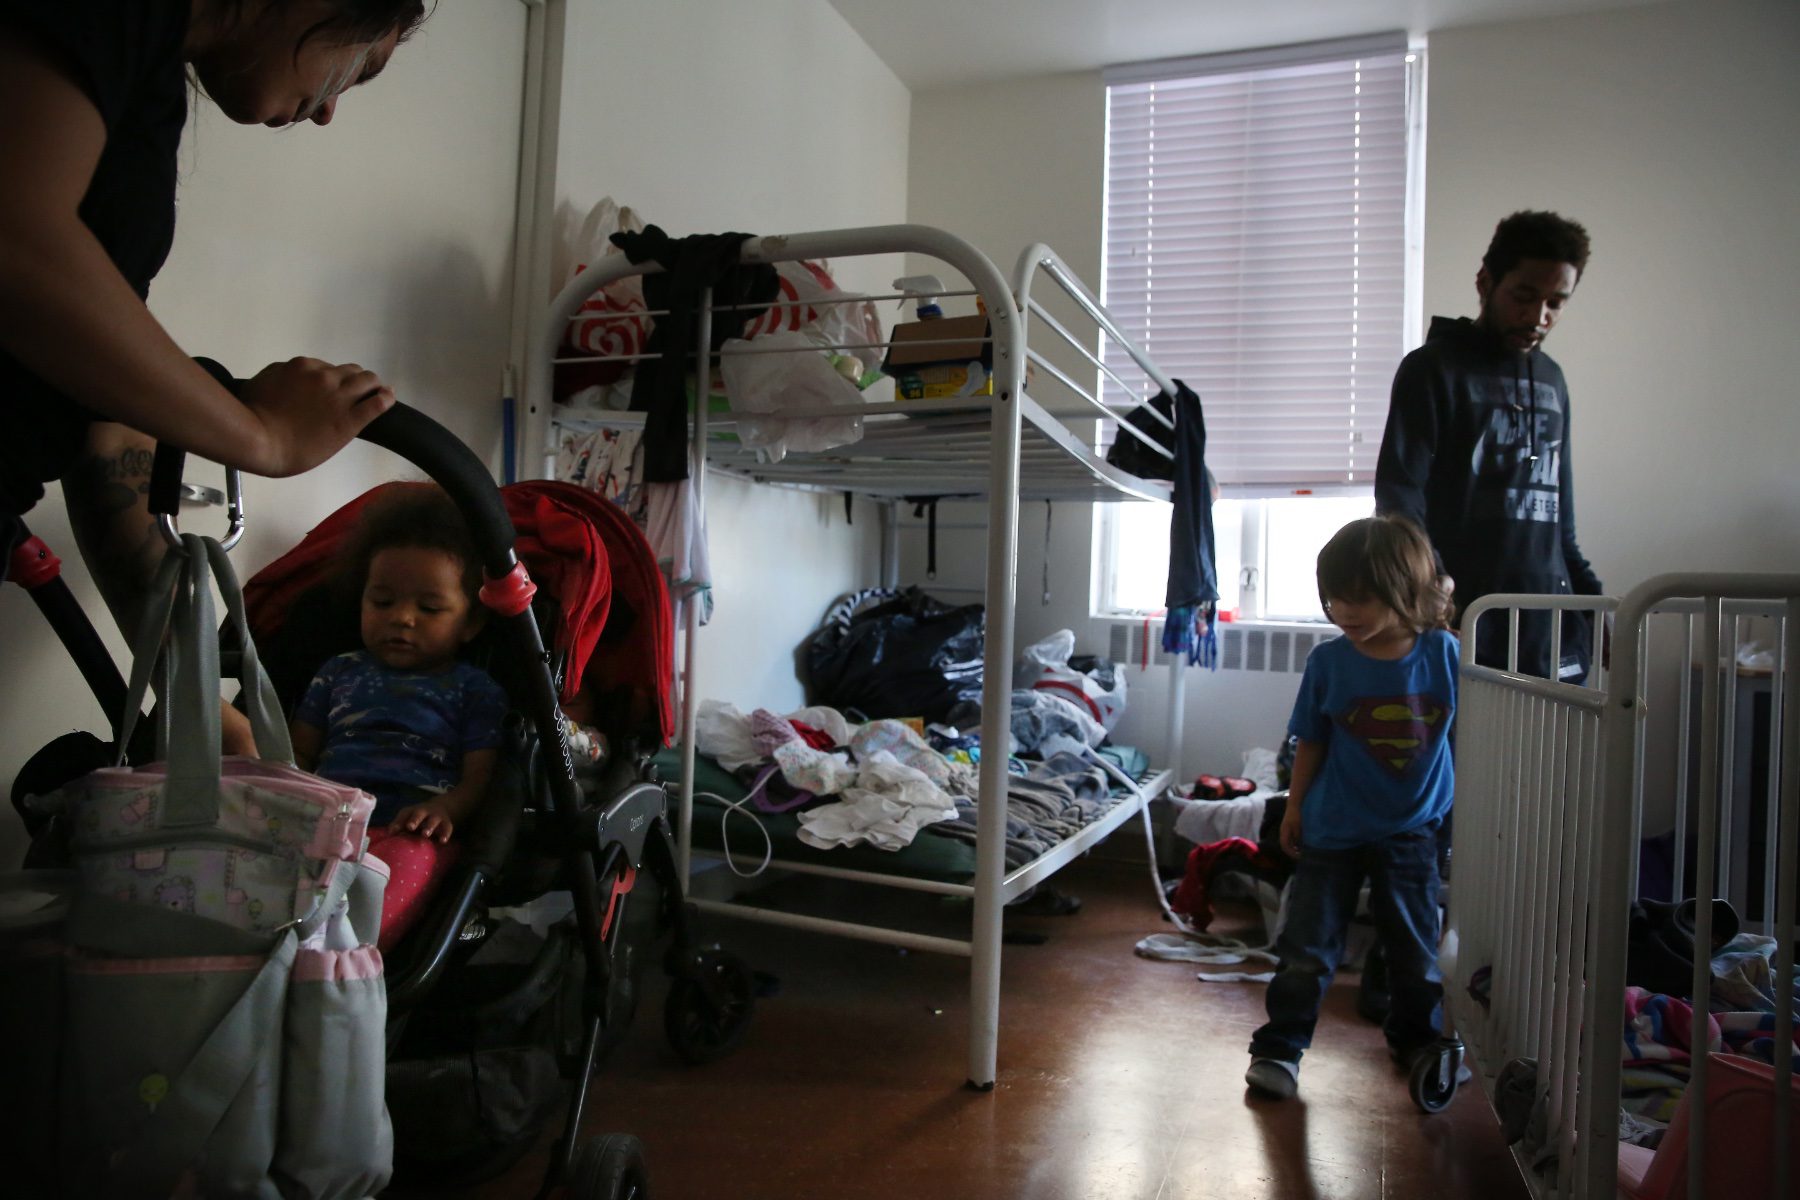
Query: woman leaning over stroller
x=95, y=93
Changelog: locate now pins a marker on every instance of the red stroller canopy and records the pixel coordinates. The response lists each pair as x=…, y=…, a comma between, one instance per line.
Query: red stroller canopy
x=575, y=544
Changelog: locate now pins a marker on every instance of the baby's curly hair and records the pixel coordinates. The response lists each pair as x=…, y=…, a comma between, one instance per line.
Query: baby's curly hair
x=1385, y=558
x=409, y=515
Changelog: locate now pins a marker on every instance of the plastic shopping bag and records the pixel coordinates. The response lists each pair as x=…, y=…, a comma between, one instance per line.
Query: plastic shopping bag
x=758, y=380
x=1094, y=685
x=611, y=321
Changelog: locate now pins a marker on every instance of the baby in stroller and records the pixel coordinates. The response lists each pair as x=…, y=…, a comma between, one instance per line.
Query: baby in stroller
x=600, y=615
x=537, y=831
x=403, y=718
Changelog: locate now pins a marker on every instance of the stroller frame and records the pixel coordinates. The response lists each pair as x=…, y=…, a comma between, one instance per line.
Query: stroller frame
x=600, y=844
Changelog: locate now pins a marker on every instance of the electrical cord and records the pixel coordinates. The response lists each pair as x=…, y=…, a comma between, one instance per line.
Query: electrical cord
x=737, y=806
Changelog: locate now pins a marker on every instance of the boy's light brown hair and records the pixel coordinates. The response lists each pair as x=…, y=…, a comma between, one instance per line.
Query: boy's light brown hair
x=1388, y=559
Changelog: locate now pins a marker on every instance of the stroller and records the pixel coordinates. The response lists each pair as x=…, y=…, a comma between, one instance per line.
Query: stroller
x=490, y=1015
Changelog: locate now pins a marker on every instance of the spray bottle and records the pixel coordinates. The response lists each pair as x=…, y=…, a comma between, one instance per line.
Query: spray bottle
x=924, y=289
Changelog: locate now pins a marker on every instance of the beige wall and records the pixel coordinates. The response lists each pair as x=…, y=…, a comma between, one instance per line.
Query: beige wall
x=1669, y=129
x=384, y=239
x=765, y=118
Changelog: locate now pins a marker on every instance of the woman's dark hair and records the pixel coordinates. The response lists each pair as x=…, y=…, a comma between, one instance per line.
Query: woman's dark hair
x=1535, y=235
x=1387, y=559
x=357, y=20
x=408, y=516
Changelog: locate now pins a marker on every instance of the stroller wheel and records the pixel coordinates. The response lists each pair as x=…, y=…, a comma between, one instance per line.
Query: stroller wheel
x=708, y=1009
x=609, y=1167
x=1432, y=1084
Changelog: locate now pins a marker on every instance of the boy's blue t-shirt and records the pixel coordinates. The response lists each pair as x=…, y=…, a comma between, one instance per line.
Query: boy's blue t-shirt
x=393, y=732
x=1385, y=727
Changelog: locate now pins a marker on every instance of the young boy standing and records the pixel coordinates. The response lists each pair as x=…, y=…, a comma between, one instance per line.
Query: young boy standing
x=1372, y=781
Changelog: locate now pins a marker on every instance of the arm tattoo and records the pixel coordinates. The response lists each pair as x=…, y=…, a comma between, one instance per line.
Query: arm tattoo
x=107, y=496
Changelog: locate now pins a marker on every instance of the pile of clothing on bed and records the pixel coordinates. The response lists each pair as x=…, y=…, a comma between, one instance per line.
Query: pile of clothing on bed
x=1659, y=1012
x=1656, y=1050
x=885, y=781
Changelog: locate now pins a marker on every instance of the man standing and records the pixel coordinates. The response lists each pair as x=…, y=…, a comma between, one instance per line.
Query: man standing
x=1477, y=443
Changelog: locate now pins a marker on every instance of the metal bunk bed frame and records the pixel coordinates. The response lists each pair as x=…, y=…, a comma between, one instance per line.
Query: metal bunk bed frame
x=912, y=448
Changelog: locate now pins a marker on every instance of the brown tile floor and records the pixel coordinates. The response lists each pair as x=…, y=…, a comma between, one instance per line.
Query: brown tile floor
x=1119, y=1078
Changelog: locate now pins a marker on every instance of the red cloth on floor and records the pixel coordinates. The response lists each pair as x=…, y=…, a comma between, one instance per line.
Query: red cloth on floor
x=576, y=544
x=817, y=738
x=1191, y=895
x=416, y=865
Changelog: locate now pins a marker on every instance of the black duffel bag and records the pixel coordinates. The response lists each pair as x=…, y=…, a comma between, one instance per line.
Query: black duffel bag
x=887, y=653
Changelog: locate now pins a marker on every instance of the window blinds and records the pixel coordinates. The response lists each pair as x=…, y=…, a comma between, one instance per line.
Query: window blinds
x=1256, y=246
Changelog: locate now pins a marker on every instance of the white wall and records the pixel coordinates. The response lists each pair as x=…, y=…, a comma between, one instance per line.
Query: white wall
x=1668, y=129
x=384, y=239
x=1047, y=135
x=766, y=118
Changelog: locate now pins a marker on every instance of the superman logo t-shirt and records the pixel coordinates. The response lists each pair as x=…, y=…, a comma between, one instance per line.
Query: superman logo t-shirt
x=1385, y=726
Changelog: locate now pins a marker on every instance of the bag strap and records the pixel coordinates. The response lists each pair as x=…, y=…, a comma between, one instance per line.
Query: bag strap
x=261, y=702
x=172, y=1139
x=181, y=625
x=191, y=795
x=147, y=645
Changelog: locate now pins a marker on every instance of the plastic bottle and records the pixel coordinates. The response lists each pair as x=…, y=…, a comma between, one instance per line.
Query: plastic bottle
x=925, y=288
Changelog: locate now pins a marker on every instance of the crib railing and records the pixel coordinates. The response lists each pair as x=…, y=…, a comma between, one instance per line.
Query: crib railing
x=1557, y=784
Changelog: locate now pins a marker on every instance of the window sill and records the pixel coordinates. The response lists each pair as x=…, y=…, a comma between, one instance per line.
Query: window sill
x=1271, y=623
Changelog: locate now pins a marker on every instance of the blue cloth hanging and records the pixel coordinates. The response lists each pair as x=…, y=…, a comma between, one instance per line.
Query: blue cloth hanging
x=1193, y=592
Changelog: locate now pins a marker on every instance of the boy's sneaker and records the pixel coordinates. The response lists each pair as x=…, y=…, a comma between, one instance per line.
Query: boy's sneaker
x=1273, y=1077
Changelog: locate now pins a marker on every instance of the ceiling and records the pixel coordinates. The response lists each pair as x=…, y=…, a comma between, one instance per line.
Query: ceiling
x=941, y=43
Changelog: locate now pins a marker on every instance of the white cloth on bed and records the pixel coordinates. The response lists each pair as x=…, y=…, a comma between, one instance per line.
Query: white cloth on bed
x=886, y=807
x=723, y=732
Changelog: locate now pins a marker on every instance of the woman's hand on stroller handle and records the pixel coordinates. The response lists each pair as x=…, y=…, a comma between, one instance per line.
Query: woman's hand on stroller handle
x=308, y=410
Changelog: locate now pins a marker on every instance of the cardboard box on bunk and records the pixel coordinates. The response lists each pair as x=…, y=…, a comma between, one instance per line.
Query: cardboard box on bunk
x=948, y=356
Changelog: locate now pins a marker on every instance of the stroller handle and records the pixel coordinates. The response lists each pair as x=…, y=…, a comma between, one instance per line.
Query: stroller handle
x=405, y=431
x=420, y=440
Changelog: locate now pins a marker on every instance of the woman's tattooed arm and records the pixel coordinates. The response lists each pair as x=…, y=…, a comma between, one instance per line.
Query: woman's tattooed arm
x=107, y=494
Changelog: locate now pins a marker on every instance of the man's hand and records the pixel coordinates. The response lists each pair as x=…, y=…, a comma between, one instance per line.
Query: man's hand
x=309, y=410
x=432, y=819
x=1290, y=828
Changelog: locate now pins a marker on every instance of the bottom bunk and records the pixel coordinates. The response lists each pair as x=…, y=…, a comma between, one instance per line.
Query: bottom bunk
x=1050, y=823
x=1044, y=833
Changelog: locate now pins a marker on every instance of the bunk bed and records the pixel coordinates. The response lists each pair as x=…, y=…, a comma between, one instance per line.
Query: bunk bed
x=1006, y=448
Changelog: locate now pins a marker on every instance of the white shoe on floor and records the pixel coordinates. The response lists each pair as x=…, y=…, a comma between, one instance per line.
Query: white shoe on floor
x=1273, y=1077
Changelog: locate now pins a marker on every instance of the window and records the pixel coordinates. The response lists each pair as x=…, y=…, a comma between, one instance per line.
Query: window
x=1261, y=242
x=1265, y=551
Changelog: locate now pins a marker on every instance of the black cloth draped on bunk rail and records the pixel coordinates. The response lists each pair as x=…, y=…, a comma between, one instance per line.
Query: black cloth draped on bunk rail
x=690, y=265
x=1193, y=589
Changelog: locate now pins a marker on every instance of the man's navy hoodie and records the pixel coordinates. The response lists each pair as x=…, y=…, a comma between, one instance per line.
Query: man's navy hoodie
x=1477, y=453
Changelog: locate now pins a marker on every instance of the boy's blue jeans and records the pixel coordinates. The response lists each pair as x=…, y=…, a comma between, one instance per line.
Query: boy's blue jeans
x=1403, y=898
